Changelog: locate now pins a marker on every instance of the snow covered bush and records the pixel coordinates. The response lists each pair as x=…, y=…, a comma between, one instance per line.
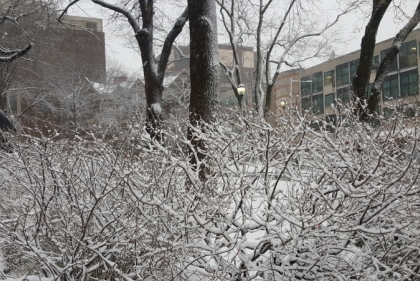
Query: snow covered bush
x=283, y=203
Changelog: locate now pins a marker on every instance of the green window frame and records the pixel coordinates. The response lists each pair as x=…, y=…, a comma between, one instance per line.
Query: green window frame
x=342, y=74
x=390, y=88
x=408, y=54
x=329, y=77
x=318, y=85
x=409, y=83
x=306, y=103
x=343, y=94
x=329, y=99
x=318, y=104
x=305, y=87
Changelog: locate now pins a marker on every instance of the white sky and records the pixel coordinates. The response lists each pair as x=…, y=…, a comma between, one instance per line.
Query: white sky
x=120, y=50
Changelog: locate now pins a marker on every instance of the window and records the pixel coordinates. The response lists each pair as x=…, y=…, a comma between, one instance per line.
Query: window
x=329, y=77
x=390, y=87
x=306, y=87
x=394, y=65
x=318, y=104
x=306, y=103
x=408, y=54
x=342, y=72
x=314, y=104
x=375, y=63
x=317, y=82
x=353, y=68
x=343, y=94
x=91, y=26
x=409, y=83
x=329, y=99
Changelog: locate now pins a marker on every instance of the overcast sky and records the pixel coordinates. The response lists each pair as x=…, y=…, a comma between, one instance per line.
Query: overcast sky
x=118, y=48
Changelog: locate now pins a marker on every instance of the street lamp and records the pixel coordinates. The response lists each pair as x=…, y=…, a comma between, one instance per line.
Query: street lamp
x=283, y=104
x=241, y=89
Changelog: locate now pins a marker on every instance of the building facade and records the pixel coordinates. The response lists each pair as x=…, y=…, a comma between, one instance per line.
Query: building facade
x=179, y=59
x=324, y=85
x=63, y=57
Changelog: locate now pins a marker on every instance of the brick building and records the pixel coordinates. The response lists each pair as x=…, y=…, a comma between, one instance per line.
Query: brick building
x=63, y=57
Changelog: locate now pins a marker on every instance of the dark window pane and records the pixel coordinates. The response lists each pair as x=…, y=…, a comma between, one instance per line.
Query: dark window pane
x=329, y=99
x=343, y=94
x=342, y=72
x=390, y=87
x=317, y=82
x=315, y=104
x=306, y=87
x=409, y=83
x=318, y=104
x=394, y=65
x=306, y=103
x=408, y=54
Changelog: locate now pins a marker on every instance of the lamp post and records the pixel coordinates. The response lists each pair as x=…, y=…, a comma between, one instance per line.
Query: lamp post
x=241, y=92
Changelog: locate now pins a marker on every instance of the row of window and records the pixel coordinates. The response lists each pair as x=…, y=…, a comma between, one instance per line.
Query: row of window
x=333, y=120
x=398, y=85
x=406, y=58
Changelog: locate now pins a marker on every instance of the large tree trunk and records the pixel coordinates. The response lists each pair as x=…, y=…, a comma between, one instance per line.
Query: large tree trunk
x=204, y=71
x=360, y=81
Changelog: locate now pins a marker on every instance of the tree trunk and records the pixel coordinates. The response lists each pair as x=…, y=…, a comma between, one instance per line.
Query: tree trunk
x=154, y=92
x=361, y=79
x=204, y=71
x=268, y=99
x=386, y=63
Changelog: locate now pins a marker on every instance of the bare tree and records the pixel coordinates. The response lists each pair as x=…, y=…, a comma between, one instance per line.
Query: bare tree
x=367, y=105
x=310, y=207
x=294, y=36
x=140, y=15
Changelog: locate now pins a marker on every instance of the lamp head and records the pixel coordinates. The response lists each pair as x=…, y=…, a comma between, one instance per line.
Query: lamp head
x=241, y=89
